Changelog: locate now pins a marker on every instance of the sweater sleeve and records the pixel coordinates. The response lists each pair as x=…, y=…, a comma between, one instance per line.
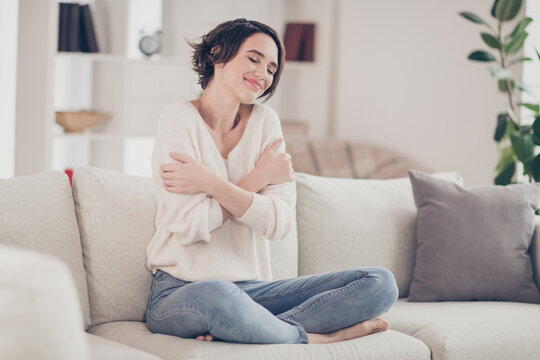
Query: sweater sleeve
x=191, y=216
x=272, y=212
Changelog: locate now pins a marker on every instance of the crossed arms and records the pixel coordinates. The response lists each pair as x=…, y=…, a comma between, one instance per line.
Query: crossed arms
x=190, y=177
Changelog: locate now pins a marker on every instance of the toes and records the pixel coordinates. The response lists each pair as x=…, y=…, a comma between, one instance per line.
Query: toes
x=381, y=325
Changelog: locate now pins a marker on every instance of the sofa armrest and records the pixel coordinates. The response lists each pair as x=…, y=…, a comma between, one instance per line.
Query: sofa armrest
x=535, y=251
x=40, y=314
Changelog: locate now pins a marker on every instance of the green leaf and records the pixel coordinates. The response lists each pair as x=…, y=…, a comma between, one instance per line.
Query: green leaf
x=522, y=59
x=504, y=177
x=523, y=146
x=524, y=129
x=491, y=40
x=536, y=130
x=535, y=168
x=481, y=55
x=507, y=9
x=521, y=26
x=503, y=87
x=527, y=166
x=493, y=8
x=500, y=73
x=515, y=43
x=523, y=88
x=537, y=53
x=474, y=18
x=506, y=157
x=502, y=121
x=533, y=107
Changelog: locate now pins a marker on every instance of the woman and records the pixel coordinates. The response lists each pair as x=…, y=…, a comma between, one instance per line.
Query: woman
x=226, y=188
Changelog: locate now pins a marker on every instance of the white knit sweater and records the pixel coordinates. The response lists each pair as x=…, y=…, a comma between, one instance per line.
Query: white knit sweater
x=191, y=241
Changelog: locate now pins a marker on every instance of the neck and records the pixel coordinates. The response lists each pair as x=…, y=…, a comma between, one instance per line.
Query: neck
x=219, y=111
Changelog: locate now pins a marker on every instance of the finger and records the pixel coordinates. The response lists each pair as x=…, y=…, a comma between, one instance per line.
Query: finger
x=166, y=167
x=181, y=157
x=173, y=184
x=276, y=144
x=166, y=175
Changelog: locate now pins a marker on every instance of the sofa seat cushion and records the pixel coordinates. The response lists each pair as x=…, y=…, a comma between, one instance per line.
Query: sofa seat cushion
x=471, y=330
x=387, y=345
x=106, y=349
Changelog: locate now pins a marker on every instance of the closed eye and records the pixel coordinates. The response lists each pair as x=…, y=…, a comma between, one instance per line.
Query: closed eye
x=255, y=61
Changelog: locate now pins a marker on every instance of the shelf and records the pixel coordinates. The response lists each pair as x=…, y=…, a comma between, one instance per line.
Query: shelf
x=90, y=136
x=91, y=56
x=100, y=57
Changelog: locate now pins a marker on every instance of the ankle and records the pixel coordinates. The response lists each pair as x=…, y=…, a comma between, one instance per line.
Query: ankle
x=321, y=338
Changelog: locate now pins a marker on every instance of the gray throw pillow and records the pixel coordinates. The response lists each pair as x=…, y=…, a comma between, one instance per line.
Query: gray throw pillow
x=472, y=241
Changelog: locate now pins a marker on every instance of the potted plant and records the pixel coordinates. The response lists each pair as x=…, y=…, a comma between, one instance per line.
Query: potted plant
x=517, y=137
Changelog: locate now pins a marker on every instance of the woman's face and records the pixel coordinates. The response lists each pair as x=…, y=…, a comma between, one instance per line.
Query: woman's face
x=251, y=72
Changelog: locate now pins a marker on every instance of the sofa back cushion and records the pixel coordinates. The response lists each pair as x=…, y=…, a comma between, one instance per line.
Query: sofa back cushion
x=116, y=219
x=347, y=223
x=36, y=212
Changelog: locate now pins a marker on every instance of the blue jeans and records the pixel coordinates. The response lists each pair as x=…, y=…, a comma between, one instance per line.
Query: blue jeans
x=277, y=312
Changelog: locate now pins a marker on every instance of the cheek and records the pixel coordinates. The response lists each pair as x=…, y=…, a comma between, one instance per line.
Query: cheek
x=269, y=83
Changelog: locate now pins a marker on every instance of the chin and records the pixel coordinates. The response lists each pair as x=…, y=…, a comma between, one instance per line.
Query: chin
x=248, y=99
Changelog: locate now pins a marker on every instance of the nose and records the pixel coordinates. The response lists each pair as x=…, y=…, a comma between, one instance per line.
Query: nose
x=261, y=72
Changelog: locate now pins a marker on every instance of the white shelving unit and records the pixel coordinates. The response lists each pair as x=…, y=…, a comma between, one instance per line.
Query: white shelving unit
x=133, y=90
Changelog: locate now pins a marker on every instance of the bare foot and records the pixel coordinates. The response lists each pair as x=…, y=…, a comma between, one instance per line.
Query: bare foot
x=207, y=337
x=361, y=329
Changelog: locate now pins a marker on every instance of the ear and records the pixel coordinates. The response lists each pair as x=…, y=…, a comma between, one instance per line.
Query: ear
x=215, y=50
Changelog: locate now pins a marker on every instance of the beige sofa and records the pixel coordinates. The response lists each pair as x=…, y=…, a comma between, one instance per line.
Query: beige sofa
x=87, y=300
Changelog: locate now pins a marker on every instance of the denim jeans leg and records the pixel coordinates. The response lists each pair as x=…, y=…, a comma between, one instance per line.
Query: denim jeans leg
x=219, y=308
x=327, y=302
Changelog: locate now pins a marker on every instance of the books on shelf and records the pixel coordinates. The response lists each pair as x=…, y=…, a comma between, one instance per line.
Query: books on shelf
x=76, y=30
x=299, y=41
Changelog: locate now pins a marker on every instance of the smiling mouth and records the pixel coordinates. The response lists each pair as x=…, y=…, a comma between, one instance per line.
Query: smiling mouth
x=254, y=84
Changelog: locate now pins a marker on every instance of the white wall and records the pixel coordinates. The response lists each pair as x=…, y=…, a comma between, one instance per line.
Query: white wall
x=8, y=65
x=38, y=34
x=403, y=80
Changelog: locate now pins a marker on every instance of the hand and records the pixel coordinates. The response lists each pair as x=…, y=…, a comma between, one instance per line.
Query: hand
x=187, y=177
x=276, y=168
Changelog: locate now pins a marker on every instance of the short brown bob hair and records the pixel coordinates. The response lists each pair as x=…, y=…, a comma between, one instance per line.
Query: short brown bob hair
x=228, y=37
